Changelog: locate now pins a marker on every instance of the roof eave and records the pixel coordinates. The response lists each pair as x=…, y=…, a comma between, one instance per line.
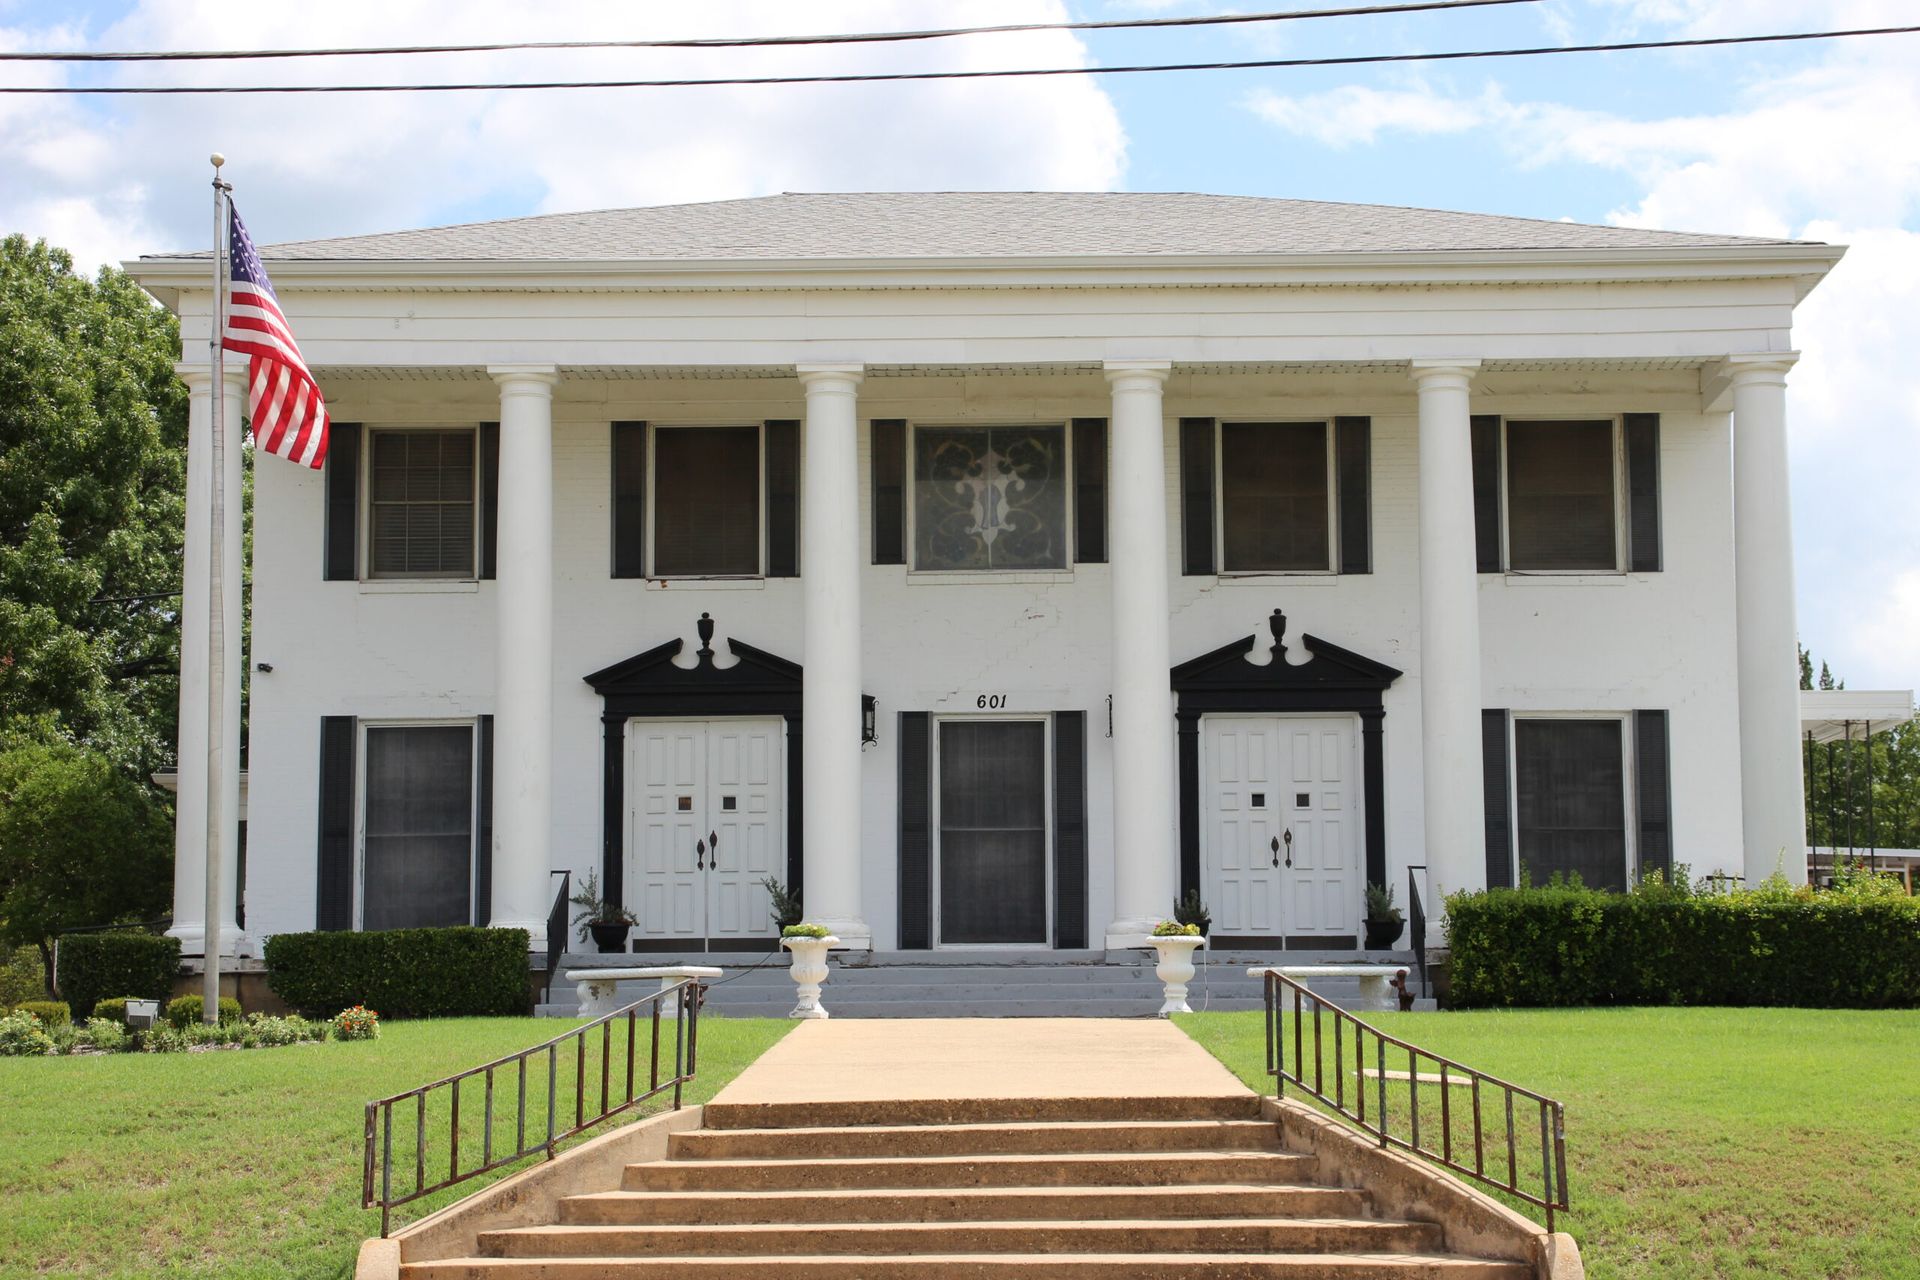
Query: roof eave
x=166, y=277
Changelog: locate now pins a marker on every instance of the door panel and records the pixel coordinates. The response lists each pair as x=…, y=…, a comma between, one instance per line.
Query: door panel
x=992, y=848
x=705, y=824
x=1267, y=779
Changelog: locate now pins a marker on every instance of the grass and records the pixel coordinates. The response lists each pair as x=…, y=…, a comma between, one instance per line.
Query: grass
x=1710, y=1144
x=247, y=1164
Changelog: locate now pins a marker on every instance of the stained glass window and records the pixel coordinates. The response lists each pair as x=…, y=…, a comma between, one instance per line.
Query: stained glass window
x=990, y=497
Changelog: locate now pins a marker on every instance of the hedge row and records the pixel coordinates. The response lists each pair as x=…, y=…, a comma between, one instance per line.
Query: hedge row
x=94, y=966
x=1562, y=946
x=402, y=973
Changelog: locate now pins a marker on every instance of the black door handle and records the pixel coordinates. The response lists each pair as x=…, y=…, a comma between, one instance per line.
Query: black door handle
x=713, y=848
x=1287, y=835
x=1276, y=850
x=699, y=855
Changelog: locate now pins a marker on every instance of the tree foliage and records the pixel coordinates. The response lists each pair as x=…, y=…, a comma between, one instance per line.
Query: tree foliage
x=92, y=498
x=81, y=843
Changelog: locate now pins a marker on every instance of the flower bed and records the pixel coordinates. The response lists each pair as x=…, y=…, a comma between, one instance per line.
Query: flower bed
x=22, y=1034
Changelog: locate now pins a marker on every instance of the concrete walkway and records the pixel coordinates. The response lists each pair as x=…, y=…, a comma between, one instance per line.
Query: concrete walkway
x=902, y=1059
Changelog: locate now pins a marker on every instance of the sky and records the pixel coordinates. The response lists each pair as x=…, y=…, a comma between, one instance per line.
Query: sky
x=1819, y=141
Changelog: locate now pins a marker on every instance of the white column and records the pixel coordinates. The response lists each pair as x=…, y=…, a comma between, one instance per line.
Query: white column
x=1144, y=842
x=1450, y=703
x=1772, y=807
x=523, y=681
x=190, y=805
x=830, y=687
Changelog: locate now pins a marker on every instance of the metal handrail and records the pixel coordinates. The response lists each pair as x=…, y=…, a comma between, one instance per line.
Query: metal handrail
x=557, y=929
x=377, y=1164
x=1308, y=1070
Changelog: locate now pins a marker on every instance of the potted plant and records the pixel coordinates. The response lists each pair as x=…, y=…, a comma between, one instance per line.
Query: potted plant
x=1189, y=909
x=1174, y=942
x=783, y=905
x=606, y=921
x=1383, y=918
x=809, y=944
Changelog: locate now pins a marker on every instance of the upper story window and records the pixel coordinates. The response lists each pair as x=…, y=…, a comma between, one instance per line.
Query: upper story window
x=989, y=498
x=422, y=488
x=1562, y=489
x=706, y=502
x=1276, y=511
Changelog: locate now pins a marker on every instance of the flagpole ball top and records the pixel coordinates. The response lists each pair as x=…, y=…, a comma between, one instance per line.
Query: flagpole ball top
x=217, y=159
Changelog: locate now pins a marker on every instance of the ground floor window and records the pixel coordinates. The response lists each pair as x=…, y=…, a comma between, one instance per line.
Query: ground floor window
x=417, y=853
x=1571, y=799
x=992, y=850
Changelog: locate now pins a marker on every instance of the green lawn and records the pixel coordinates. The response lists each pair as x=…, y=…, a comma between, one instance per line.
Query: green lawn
x=1701, y=1143
x=247, y=1163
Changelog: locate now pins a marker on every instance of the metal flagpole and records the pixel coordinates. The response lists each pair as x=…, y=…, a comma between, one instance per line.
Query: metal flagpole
x=217, y=636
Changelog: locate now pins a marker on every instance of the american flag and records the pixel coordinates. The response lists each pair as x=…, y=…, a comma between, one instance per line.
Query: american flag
x=289, y=416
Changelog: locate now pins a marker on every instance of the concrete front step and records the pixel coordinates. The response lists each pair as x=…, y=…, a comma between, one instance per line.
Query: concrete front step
x=1106, y=1169
x=871, y=1239
x=975, y=1139
x=1005, y=1266
x=952, y=1111
x=958, y=1204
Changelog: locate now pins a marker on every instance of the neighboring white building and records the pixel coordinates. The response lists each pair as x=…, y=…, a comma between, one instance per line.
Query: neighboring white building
x=1023, y=483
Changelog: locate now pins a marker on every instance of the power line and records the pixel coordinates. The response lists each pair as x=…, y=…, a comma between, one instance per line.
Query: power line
x=755, y=42
x=883, y=77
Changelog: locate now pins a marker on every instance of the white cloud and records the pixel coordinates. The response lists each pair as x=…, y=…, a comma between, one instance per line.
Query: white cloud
x=110, y=178
x=1356, y=115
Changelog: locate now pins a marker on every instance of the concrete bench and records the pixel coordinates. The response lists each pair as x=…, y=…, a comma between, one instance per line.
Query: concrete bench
x=597, y=986
x=1376, y=980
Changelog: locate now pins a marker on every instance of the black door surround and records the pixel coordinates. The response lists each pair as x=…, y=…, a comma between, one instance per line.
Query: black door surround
x=1335, y=679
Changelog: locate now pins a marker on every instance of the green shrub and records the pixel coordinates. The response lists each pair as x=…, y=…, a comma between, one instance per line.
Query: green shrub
x=163, y=1038
x=182, y=1010
x=66, y=1038
x=402, y=973
x=357, y=1023
x=52, y=1013
x=106, y=1035
x=92, y=965
x=22, y=1036
x=806, y=931
x=22, y=976
x=1564, y=945
x=113, y=1008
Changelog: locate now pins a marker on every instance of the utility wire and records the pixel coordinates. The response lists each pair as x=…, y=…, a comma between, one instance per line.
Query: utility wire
x=756, y=42
x=883, y=77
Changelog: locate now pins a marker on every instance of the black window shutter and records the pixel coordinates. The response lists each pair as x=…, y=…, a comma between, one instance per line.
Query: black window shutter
x=916, y=831
x=1486, y=492
x=341, y=552
x=783, y=499
x=1353, y=463
x=483, y=826
x=489, y=498
x=1196, y=495
x=1643, y=492
x=333, y=901
x=1499, y=799
x=1090, y=491
x=1070, y=830
x=889, y=463
x=1653, y=789
x=629, y=499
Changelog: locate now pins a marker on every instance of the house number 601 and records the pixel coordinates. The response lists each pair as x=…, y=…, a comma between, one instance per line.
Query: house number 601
x=990, y=701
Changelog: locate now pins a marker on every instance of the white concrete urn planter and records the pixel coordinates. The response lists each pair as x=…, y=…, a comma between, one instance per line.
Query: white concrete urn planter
x=1175, y=970
x=809, y=970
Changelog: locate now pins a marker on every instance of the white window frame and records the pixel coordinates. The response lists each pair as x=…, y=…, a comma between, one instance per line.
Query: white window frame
x=1629, y=764
x=360, y=807
x=1619, y=455
x=1220, y=499
x=912, y=503
x=1048, y=782
x=760, y=507
x=366, y=504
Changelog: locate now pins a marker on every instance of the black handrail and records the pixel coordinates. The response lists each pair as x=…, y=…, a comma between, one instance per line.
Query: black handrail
x=557, y=930
x=377, y=1163
x=1308, y=1069
x=1417, y=919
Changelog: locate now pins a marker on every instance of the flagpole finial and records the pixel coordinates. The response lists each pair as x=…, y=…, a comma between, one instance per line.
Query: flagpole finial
x=218, y=160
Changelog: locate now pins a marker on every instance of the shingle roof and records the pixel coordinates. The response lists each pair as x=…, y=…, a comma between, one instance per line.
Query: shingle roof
x=989, y=224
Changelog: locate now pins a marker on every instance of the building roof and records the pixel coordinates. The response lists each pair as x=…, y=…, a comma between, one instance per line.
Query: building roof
x=981, y=224
x=1832, y=715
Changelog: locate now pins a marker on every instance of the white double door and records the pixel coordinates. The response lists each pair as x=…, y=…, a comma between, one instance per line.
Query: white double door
x=1280, y=838
x=706, y=823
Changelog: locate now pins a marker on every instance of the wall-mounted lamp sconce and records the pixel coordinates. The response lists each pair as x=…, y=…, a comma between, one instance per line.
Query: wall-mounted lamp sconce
x=869, y=721
x=264, y=668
